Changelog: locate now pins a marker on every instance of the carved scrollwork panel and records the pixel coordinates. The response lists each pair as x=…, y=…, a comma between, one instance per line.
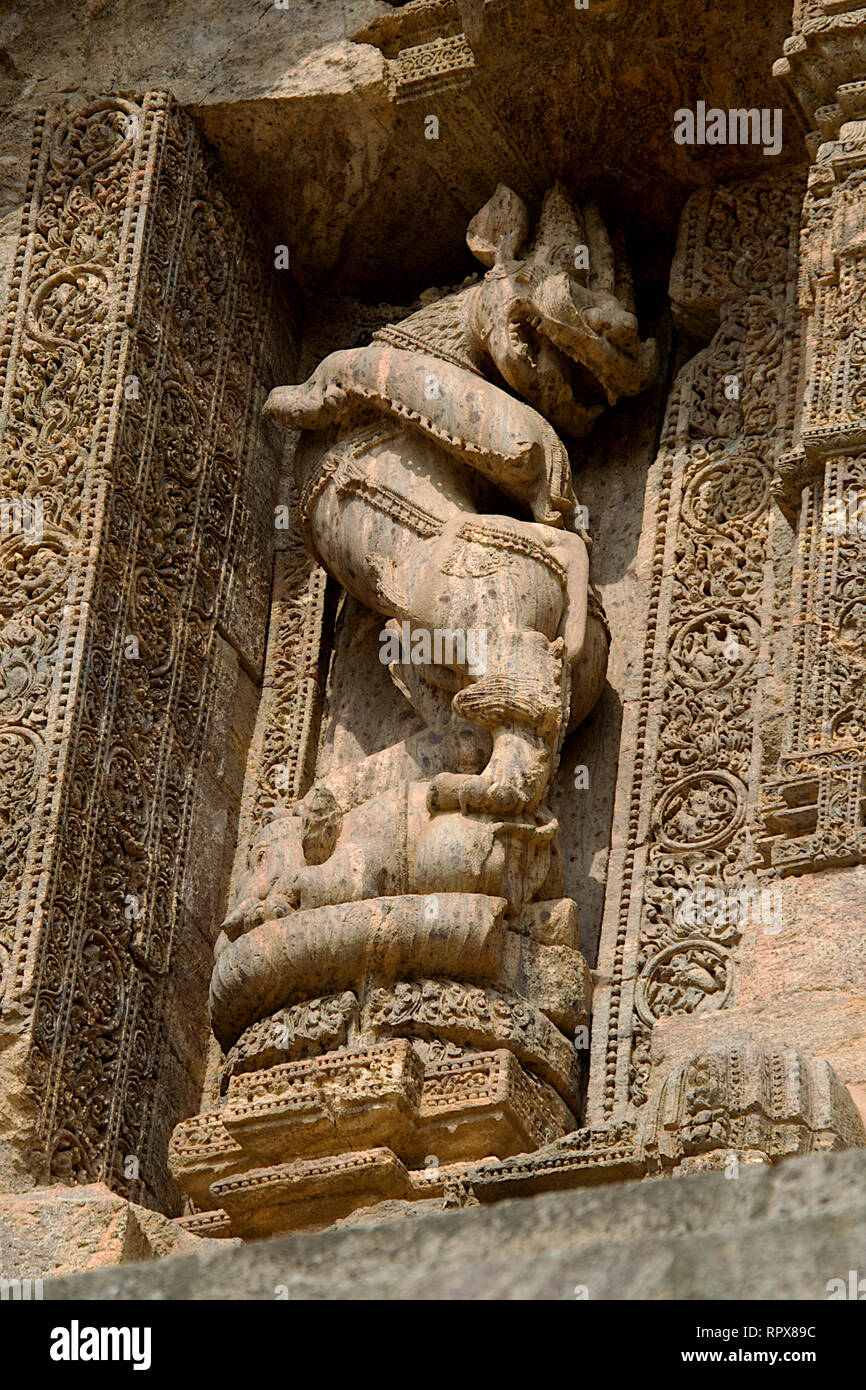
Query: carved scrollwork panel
x=689, y=795
x=130, y=431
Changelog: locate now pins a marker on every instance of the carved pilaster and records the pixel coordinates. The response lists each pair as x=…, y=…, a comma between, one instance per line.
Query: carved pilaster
x=773, y=409
x=694, y=1062
x=137, y=348
x=815, y=809
x=690, y=761
x=826, y=51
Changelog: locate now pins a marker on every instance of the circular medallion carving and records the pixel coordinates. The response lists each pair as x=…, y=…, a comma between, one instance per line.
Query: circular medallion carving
x=101, y=134
x=34, y=565
x=849, y=724
x=714, y=649
x=692, y=976
x=729, y=491
x=700, y=810
x=851, y=624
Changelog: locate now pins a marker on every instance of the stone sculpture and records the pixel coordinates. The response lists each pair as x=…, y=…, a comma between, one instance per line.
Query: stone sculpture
x=425, y=882
x=397, y=436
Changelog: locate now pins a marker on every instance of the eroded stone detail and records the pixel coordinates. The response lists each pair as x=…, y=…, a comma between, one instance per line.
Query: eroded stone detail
x=748, y=1103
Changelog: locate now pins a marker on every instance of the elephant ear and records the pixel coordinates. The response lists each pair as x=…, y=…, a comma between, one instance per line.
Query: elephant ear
x=498, y=231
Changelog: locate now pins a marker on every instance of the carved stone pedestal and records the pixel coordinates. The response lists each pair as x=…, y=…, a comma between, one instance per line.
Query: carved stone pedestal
x=355, y=1127
x=421, y=1076
x=307, y=1142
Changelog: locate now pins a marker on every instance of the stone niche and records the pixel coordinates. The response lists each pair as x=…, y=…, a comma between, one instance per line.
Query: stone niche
x=585, y=910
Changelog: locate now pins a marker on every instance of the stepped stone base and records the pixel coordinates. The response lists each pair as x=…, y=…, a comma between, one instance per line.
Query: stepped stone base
x=305, y=1143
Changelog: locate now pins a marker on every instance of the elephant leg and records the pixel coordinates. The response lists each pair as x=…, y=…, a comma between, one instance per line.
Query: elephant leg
x=499, y=578
x=522, y=701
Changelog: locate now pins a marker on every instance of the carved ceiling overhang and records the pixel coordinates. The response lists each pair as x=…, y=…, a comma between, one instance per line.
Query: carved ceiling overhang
x=523, y=93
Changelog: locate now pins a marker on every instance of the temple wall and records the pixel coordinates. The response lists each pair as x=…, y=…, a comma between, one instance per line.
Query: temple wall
x=175, y=666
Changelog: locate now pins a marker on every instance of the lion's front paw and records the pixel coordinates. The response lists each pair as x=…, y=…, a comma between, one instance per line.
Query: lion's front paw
x=307, y=407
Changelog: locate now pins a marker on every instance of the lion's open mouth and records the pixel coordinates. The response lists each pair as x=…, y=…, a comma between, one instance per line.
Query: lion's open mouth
x=550, y=350
x=600, y=369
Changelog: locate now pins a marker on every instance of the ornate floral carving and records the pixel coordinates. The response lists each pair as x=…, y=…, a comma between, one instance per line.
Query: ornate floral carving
x=814, y=808
x=130, y=421
x=729, y=418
